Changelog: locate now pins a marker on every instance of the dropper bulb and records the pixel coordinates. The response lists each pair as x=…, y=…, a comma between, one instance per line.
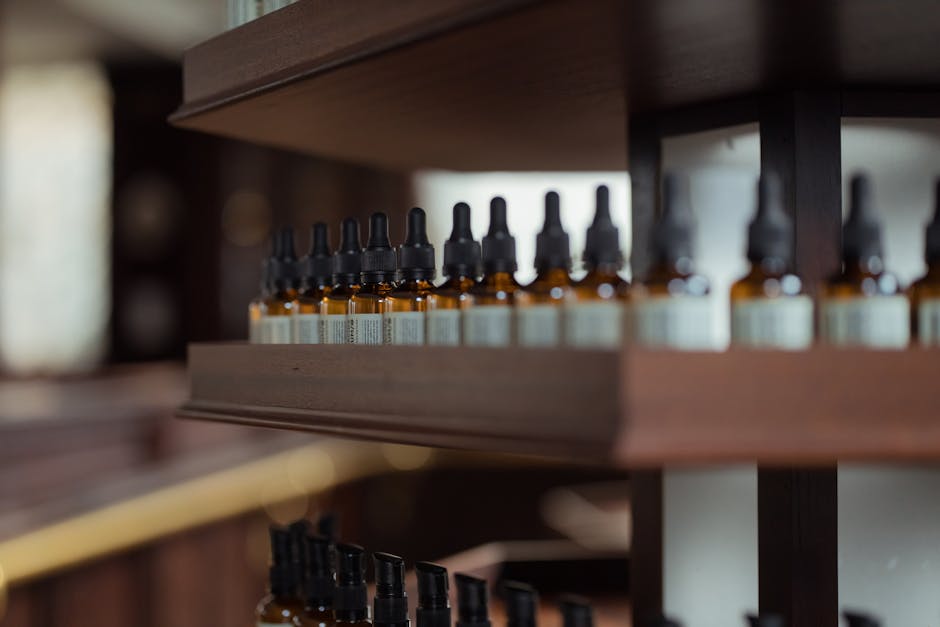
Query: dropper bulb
x=378, y=231
x=461, y=228
x=498, y=224
x=417, y=234
x=602, y=206
x=349, y=241
x=552, y=211
x=320, y=240
x=287, y=243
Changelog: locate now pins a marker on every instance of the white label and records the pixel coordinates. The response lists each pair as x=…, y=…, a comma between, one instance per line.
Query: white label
x=404, y=327
x=487, y=325
x=539, y=325
x=594, y=324
x=928, y=322
x=275, y=330
x=254, y=330
x=333, y=329
x=677, y=322
x=306, y=328
x=871, y=321
x=785, y=322
x=444, y=327
x=365, y=328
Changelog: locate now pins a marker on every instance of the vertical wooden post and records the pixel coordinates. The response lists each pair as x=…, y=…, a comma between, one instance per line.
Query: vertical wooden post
x=797, y=508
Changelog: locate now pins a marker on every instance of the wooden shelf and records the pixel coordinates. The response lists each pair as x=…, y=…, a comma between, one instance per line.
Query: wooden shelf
x=529, y=84
x=635, y=408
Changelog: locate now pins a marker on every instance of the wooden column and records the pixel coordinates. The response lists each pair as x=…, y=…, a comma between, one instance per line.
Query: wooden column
x=797, y=508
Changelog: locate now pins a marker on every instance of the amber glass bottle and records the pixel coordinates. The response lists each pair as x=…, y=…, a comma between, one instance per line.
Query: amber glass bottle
x=390, y=607
x=279, y=305
x=316, y=273
x=407, y=303
x=377, y=278
x=461, y=272
x=594, y=312
x=768, y=306
x=318, y=583
x=864, y=305
x=925, y=293
x=540, y=305
x=281, y=606
x=347, y=262
x=488, y=320
x=350, y=597
x=522, y=603
x=256, y=306
x=670, y=308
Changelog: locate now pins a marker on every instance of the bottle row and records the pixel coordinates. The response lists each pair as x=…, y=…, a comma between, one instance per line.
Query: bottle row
x=382, y=295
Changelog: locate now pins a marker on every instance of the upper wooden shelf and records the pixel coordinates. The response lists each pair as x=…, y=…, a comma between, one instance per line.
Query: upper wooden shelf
x=530, y=84
x=631, y=408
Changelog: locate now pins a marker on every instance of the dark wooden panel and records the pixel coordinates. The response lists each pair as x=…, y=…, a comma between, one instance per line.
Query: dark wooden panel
x=116, y=585
x=646, y=547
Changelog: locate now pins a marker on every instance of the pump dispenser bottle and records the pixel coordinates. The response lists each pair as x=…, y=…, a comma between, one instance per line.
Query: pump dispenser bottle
x=768, y=306
x=670, y=308
x=462, y=268
x=378, y=274
x=407, y=303
x=318, y=583
x=433, y=601
x=281, y=606
x=316, y=273
x=256, y=306
x=594, y=313
x=350, y=597
x=279, y=305
x=925, y=293
x=864, y=304
x=521, y=604
x=539, y=306
x=347, y=264
x=488, y=322
x=390, y=608
x=576, y=612
x=472, y=601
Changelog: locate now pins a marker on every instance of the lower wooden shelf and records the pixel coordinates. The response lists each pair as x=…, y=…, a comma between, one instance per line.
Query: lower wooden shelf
x=625, y=408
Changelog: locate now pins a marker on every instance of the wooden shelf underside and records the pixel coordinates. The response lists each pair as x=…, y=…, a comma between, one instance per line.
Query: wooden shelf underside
x=632, y=408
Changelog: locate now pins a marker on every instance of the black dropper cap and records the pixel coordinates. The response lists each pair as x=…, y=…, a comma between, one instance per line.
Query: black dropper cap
x=267, y=281
x=391, y=602
x=861, y=233
x=602, y=245
x=350, y=599
x=283, y=266
x=318, y=579
x=472, y=606
x=860, y=619
x=461, y=252
x=675, y=229
x=932, y=245
x=416, y=254
x=347, y=260
x=328, y=525
x=770, y=234
x=576, y=611
x=283, y=573
x=378, y=257
x=521, y=604
x=433, y=602
x=316, y=268
x=552, y=249
x=499, y=247
x=766, y=620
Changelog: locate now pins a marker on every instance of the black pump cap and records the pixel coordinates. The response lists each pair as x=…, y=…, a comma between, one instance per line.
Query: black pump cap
x=675, y=229
x=391, y=602
x=932, y=245
x=461, y=252
x=602, y=245
x=318, y=575
x=284, y=571
x=521, y=604
x=328, y=525
x=416, y=254
x=283, y=267
x=282, y=542
x=378, y=257
x=552, y=249
x=347, y=260
x=661, y=621
x=317, y=267
x=860, y=619
x=499, y=247
x=770, y=234
x=351, y=599
x=576, y=611
x=433, y=602
x=861, y=233
x=472, y=603
x=766, y=620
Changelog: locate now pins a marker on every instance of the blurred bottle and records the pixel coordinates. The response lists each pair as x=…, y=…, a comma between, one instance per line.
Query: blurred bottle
x=278, y=307
x=433, y=602
x=256, y=306
x=522, y=603
x=472, y=601
x=390, y=606
x=316, y=272
x=350, y=597
x=576, y=612
x=318, y=582
x=925, y=293
x=379, y=266
x=281, y=606
x=347, y=264
x=462, y=267
x=407, y=303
